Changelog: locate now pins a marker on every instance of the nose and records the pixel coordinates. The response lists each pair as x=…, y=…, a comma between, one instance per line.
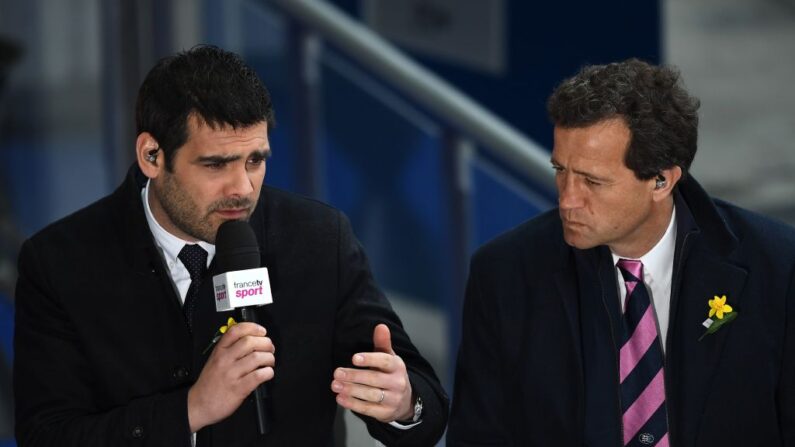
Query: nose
x=570, y=194
x=239, y=184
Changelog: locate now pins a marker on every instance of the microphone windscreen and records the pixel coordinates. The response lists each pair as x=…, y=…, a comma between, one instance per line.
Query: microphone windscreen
x=236, y=247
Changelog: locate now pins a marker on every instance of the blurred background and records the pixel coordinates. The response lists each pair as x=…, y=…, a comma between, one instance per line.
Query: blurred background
x=423, y=120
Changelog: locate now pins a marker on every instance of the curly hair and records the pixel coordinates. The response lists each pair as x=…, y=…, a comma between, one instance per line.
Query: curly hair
x=212, y=84
x=661, y=115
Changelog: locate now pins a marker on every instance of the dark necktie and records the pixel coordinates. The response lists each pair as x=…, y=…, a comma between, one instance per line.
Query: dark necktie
x=644, y=418
x=195, y=260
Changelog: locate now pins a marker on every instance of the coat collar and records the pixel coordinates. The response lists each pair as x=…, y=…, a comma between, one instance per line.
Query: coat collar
x=139, y=245
x=702, y=216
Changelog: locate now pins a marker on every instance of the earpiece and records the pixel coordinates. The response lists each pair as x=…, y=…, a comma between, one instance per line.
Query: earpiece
x=660, y=184
x=151, y=157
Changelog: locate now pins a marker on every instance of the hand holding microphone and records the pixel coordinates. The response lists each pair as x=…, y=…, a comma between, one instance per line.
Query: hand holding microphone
x=244, y=357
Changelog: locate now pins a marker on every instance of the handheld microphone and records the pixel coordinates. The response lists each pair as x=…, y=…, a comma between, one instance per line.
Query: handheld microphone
x=243, y=285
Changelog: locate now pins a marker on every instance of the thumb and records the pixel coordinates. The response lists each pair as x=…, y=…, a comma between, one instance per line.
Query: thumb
x=382, y=340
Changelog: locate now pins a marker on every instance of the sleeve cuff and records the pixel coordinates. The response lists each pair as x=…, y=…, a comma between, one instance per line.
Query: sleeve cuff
x=400, y=426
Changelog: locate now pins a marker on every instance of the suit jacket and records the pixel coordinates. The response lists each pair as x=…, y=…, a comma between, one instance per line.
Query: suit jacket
x=520, y=377
x=104, y=356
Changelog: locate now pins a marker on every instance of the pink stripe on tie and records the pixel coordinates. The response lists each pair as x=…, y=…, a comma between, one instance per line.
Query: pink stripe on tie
x=663, y=442
x=638, y=343
x=632, y=266
x=644, y=407
x=630, y=288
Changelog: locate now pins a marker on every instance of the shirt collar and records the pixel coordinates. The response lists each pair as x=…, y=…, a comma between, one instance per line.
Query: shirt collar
x=658, y=262
x=169, y=244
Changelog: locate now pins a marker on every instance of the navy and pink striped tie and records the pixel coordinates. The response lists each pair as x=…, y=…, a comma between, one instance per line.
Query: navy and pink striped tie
x=641, y=366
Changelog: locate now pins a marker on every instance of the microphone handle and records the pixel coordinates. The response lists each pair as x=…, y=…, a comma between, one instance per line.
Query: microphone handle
x=261, y=392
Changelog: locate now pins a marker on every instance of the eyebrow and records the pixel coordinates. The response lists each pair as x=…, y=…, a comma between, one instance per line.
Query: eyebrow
x=220, y=159
x=583, y=173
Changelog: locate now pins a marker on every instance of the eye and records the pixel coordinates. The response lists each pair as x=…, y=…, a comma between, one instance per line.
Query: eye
x=592, y=182
x=557, y=168
x=215, y=165
x=255, y=161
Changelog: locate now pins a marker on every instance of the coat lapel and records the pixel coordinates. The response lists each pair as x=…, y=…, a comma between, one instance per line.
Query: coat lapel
x=702, y=270
x=693, y=364
x=206, y=320
x=566, y=286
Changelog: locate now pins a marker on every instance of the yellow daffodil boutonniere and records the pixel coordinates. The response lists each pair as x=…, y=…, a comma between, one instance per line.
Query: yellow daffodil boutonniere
x=721, y=311
x=219, y=333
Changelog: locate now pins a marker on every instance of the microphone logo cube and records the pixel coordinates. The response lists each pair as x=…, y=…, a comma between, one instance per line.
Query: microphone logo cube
x=242, y=288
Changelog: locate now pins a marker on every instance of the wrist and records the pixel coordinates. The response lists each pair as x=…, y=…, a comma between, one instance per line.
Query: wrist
x=415, y=412
x=196, y=420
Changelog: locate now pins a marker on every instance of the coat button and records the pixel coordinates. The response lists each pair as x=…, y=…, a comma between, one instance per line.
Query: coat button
x=180, y=373
x=138, y=432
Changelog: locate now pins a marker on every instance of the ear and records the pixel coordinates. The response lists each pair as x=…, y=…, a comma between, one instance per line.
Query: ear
x=663, y=190
x=149, y=155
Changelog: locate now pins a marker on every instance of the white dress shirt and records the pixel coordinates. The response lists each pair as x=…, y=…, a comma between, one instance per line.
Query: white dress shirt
x=658, y=266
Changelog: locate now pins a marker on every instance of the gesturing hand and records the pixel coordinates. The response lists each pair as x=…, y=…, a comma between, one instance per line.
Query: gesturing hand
x=243, y=359
x=381, y=389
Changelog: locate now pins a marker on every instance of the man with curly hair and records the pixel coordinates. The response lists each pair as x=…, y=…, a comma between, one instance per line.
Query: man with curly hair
x=640, y=312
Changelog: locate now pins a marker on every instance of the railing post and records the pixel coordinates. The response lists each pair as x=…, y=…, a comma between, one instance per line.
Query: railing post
x=457, y=156
x=304, y=55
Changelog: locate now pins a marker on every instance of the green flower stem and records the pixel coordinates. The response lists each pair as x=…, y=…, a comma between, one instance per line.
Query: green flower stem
x=717, y=324
x=215, y=339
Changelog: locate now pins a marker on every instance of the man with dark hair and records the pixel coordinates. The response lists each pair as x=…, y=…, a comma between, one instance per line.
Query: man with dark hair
x=115, y=307
x=640, y=312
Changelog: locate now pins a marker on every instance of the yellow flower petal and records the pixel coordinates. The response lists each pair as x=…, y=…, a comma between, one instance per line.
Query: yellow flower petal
x=711, y=312
x=727, y=309
x=721, y=301
x=229, y=323
x=720, y=313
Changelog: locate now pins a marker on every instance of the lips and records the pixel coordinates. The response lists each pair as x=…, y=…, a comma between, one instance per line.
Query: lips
x=570, y=223
x=233, y=213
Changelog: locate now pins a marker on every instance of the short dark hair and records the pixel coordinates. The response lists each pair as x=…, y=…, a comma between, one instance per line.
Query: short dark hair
x=213, y=84
x=661, y=115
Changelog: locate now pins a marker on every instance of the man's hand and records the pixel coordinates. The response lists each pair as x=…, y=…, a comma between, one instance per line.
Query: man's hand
x=243, y=359
x=382, y=390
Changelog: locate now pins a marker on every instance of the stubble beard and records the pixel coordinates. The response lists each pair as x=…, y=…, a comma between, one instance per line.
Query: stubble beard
x=185, y=214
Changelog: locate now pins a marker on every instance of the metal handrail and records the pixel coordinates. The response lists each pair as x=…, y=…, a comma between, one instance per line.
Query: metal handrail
x=424, y=87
